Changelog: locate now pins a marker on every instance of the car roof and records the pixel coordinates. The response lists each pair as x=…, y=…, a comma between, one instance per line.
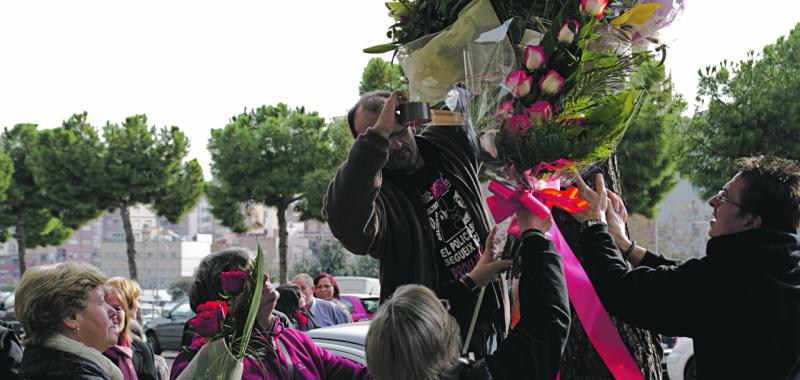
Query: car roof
x=355, y=333
x=360, y=295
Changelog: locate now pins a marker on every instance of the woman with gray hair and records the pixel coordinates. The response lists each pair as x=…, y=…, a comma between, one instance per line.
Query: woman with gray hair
x=67, y=323
x=414, y=337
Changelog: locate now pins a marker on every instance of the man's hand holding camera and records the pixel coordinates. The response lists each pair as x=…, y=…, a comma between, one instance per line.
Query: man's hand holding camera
x=387, y=124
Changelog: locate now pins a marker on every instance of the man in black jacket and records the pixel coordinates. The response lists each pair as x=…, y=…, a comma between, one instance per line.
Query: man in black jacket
x=741, y=302
x=415, y=203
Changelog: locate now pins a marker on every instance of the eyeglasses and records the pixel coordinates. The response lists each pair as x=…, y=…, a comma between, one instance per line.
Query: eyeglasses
x=721, y=197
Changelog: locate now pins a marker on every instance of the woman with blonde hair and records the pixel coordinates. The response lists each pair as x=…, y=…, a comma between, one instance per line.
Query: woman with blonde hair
x=132, y=355
x=67, y=323
x=131, y=291
x=414, y=337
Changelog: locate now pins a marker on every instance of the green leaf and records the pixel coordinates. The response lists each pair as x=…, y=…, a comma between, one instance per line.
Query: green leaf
x=380, y=49
x=255, y=304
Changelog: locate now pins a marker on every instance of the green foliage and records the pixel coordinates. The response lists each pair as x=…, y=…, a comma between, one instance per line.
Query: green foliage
x=382, y=75
x=180, y=288
x=271, y=155
x=26, y=208
x=334, y=259
x=647, y=152
x=132, y=164
x=366, y=266
x=73, y=156
x=753, y=107
x=6, y=173
x=315, y=184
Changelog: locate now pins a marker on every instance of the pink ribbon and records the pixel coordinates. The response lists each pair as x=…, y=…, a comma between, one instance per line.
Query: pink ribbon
x=593, y=315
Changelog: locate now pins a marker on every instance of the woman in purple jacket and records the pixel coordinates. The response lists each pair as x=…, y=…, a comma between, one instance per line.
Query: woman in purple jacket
x=295, y=356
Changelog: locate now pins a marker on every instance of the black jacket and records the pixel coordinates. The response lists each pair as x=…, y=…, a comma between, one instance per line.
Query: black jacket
x=740, y=303
x=143, y=361
x=42, y=363
x=371, y=211
x=10, y=353
x=533, y=348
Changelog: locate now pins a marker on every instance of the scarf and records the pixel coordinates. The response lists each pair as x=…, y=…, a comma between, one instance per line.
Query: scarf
x=62, y=343
x=123, y=356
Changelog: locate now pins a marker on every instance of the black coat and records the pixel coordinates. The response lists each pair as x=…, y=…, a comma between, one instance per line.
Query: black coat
x=143, y=361
x=740, y=303
x=42, y=363
x=10, y=353
x=533, y=348
x=372, y=210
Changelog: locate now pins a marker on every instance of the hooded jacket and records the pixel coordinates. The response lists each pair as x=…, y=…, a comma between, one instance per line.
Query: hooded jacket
x=371, y=210
x=740, y=303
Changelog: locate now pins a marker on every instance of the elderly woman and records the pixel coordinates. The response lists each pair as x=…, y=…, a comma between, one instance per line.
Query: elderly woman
x=413, y=337
x=293, y=354
x=67, y=323
x=132, y=355
x=325, y=288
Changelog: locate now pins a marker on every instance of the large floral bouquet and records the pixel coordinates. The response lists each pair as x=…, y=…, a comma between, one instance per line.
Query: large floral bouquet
x=226, y=326
x=558, y=80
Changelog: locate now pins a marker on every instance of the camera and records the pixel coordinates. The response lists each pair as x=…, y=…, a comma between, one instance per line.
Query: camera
x=414, y=114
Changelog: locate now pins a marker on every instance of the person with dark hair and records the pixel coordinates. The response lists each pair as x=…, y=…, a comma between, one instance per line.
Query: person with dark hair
x=292, y=304
x=415, y=203
x=744, y=293
x=325, y=288
x=290, y=353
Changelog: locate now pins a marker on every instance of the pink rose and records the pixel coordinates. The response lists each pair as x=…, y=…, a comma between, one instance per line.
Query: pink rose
x=568, y=31
x=504, y=110
x=551, y=83
x=535, y=57
x=233, y=282
x=540, y=111
x=593, y=7
x=519, y=83
x=519, y=123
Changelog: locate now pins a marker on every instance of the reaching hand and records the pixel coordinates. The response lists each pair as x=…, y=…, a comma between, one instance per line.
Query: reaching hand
x=488, y=266
x=387, y=120
x=617, y=217
x=526, y=221
x=597, y=199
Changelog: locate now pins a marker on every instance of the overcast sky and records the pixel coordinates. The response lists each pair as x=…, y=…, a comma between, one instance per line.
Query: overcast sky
x=195, y=63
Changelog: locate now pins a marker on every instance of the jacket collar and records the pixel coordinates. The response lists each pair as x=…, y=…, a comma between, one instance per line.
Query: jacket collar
x=62, y=343
x=753, y=243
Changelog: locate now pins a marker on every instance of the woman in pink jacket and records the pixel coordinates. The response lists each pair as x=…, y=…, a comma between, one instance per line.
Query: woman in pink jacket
x=292, y=354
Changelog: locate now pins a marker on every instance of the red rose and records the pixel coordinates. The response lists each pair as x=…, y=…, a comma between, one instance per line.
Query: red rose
x=233, y=282
x=219, y=306
x=206, y=323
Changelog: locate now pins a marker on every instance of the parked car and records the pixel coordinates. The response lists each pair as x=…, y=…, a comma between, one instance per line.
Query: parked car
x=362, y=306
x=8, y=313
x=359, y=285
x=346, y=340
x=165, y=333
x=680, y=361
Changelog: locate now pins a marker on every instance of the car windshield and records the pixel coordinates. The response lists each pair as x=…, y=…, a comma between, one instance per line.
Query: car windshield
x=370, y=305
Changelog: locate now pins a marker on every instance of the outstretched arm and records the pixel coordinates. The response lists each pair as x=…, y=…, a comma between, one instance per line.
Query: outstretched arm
x=351, y=204
x=533, y=349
